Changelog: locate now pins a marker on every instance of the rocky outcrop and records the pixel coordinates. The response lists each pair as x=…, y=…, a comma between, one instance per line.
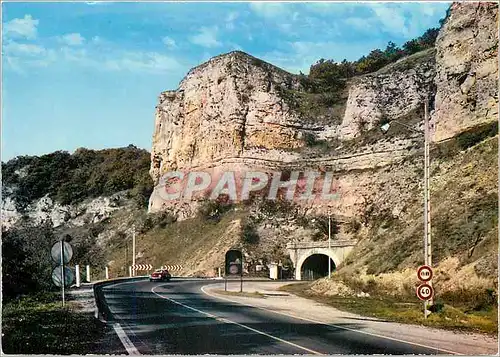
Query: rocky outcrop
x=467, y=69
x=223, y=107
x=395, y=92
x=43, y=209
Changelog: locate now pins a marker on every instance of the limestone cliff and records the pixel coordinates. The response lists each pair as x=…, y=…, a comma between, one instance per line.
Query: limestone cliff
x=235, y=111
x=466, y=69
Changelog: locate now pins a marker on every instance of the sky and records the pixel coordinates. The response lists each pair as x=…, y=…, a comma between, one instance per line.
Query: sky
x=89, y=74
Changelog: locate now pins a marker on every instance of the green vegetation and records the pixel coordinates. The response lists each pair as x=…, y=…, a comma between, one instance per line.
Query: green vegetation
x=409, y=310
x=39, y=325
x=72, y=178
x=215, y=209
x=476, y=135
x=330, y=76
x=250, y=234
x=26, y=261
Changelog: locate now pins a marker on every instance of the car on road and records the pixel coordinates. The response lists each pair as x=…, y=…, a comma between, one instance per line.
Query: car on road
x=160, y=275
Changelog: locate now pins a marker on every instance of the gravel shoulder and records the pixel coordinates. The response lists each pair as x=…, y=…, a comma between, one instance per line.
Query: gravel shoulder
x=310, y=310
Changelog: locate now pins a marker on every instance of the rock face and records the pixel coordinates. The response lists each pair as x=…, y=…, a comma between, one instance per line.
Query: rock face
x=223, y=107
x=467, y=69
x=233, y=112
x=394, y=92
x=90, y=211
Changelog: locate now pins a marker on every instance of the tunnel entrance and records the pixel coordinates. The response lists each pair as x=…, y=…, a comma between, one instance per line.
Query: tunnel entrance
x=316, y=267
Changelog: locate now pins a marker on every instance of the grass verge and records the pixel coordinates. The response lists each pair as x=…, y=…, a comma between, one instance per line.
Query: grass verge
x=40, y=325
x=254, y=294
x=409, y=312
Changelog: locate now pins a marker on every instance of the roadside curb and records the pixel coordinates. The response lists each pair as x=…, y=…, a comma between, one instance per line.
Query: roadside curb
x=102, y=312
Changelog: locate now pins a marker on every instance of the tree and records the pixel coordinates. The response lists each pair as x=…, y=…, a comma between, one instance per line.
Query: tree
x=26, y=260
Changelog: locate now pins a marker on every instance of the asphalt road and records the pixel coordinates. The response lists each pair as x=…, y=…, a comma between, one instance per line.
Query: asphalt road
x=178, y=318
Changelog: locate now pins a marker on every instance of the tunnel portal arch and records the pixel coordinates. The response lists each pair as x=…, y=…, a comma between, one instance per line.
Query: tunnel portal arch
x=316, y=261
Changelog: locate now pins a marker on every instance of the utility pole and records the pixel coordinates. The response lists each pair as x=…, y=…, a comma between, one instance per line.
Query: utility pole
x=329, y=244
x=62, y=270
x=133, y=250
x=427, y=203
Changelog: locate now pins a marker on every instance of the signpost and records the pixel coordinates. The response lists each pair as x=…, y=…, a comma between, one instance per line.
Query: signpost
x=62, y=276
x=234, y=266
x=425, y=291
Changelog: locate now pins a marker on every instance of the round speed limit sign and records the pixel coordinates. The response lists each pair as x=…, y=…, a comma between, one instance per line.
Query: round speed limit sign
x=425, y=292
x=424, y=273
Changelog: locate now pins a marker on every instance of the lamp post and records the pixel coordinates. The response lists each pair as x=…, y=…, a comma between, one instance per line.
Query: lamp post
x=329, y=244
x=133, y=250
x=427, y=205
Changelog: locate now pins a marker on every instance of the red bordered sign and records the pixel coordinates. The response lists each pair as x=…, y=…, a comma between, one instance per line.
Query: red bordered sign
x=424, y=273
x=425, y=292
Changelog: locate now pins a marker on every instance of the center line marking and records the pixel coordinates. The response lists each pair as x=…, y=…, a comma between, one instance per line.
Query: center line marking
x=222, y=319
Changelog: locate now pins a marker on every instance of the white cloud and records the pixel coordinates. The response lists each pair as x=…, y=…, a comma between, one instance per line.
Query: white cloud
x=13, y=48
x=207, y=37
x=169, y=42
x=18, y=56
x=360, y=24
x=21, y=28
x=391, y=18
x=230, y=19
x=142, y=62
x=72, y=39
x=269, y=10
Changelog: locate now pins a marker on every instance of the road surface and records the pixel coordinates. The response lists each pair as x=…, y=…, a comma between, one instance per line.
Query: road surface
x=178, y=318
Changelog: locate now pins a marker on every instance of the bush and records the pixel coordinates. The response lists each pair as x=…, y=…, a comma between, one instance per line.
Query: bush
x=476, y=135
x=249, y=234
x=26, y=259
x=353, y=226
x=159, y=219
x=321, y=226
x=310, y=139
x=214, y=209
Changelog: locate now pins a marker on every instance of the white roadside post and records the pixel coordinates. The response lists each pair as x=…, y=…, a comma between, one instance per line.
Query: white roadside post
x=130, y=271
x=107, y=273
x=88, y=273
x=77, y=273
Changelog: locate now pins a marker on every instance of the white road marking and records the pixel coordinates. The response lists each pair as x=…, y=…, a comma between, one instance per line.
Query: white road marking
x=125, y=340
x=327, y=324
x=221, y=319
x=129, y=346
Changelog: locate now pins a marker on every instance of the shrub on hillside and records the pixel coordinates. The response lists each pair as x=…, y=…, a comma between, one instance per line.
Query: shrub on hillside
x=250, y=234
x=476, y=135
x=26, y=260
x=214, y=209
x=87, y=173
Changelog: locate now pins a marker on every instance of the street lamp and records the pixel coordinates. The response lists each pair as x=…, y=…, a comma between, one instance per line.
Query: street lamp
x=329, y=244
x=427, y=206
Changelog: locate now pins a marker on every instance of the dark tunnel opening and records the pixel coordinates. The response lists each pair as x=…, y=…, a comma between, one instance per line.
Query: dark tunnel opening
x=316, y=267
